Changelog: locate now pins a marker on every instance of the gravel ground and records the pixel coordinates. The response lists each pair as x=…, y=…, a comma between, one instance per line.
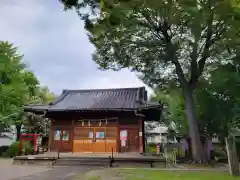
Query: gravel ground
x=58, y=173
x=38, y=172
x=9, y=171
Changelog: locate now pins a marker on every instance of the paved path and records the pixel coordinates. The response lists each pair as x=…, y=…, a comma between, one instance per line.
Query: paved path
x=58, y=173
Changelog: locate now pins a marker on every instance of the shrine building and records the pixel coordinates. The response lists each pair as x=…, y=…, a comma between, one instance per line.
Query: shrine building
x=99, y=120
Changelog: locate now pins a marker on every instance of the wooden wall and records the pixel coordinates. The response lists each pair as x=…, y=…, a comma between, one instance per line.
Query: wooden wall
x=63, y=126
x=84, y=143
x=80, y=141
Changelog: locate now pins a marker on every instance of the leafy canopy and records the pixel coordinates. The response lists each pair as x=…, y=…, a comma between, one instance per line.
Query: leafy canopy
x=217, y=101
x=163, y=40
x=160, y=37
x=18, y=86
x=13, y=89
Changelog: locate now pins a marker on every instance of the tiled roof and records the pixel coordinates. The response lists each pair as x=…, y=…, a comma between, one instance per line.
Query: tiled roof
x=97, y=99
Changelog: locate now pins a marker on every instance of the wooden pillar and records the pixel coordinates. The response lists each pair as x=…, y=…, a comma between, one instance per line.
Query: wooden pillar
x=140, y=134
x=143, y=136
x=71, y=135
x=50, y=136
x=118, y=137
x=35, y=142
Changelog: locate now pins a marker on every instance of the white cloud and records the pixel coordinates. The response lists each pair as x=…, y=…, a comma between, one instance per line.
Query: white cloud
x=56, y=47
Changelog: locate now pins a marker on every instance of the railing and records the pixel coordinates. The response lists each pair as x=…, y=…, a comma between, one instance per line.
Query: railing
x=170, y=157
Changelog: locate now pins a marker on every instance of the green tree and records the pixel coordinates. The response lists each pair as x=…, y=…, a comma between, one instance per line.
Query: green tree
x=219, y=101
x=173, y=109
x=13, y=90
x=162, y=40
x=18, y=86
x=36, y=123
x=31, y=84
x=217, y=104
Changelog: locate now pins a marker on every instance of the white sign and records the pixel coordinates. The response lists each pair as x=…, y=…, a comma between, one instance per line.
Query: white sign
x=140, y=134
x=123, y=142
x=123, y=135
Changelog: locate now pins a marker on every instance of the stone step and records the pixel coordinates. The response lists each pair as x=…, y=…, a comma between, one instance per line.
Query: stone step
x=85, y=158
x=82, y=162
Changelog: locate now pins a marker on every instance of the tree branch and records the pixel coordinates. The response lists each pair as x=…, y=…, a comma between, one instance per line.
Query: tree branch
x=202, y=61
x=152, y=25
x=180, y=73
x=194, y=65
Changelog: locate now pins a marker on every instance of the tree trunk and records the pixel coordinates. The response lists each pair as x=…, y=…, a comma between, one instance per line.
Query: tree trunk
x=196, y=145
x=18, y=132
x=232, y=157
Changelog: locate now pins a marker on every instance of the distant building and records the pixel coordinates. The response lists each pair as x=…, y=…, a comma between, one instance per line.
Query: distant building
x=7, y=138
x=157, y=133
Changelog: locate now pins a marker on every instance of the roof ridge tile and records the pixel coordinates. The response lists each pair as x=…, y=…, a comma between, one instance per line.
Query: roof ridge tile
x=104, y=90
x=121, y=98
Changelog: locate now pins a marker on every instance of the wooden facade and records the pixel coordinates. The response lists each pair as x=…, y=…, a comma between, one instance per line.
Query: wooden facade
x=100, y=120
x=97, y=135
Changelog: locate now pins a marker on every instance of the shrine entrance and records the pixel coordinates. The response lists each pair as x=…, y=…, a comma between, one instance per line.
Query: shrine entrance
x=62, y=139
x=95, y=139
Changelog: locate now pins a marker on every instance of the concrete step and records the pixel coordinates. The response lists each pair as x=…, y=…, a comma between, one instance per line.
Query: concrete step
x=81, y=161
x=85, y=158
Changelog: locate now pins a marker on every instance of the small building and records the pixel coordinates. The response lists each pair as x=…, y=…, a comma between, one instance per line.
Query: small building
x=6, y=139
x=156, y=134
x=99, y=120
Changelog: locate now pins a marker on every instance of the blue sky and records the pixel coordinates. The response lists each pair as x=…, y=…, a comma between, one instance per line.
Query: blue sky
x=56, y=47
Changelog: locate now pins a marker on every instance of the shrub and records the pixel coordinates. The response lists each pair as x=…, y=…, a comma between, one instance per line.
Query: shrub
x=4, y=154
x=218, y=151
x=3, y=149
x=27, y=148
x=13, y=149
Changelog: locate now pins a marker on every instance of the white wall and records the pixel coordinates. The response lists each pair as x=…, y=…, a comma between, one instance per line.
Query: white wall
x=157, y=139
x=6, y=141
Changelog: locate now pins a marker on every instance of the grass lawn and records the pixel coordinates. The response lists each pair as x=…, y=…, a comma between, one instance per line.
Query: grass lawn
x=143, y=174
x=177, y=175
